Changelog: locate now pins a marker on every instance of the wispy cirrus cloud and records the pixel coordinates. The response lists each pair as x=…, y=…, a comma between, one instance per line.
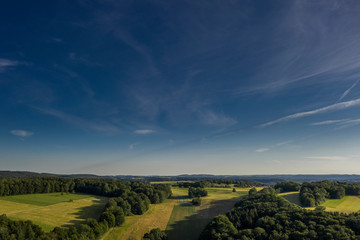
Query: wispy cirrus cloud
x=332, y=158
x=144, y=131
x=348, y=90
x=341, y=123
x=328, y=122
x=315, y=50
x=277, y=145
x=95, y=124
x=7, y=63
x=260, y=150
x=333, y=107
x=21, y=133
x=132, y=146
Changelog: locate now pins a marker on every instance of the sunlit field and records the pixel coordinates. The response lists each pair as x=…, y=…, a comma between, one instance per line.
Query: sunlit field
x=347, y=204
x=136, y=226
x=50, y=210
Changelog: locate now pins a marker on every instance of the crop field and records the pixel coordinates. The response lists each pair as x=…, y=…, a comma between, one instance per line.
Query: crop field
x=136, y=226
x=50, y=210
x=187, y=221
x=347, y=204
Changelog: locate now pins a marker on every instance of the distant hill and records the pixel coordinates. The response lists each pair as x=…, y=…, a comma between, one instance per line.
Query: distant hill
x=265, y=179
x=26, y=174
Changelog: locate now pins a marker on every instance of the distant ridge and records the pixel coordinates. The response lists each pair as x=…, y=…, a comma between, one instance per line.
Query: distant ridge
x=266, y=179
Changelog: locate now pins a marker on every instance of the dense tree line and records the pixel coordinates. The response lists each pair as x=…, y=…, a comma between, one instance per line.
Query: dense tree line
x=217, y=182
x=287, y=186
x=126, y=198
x=315, y=193
x=263, y=215
x=197, y=192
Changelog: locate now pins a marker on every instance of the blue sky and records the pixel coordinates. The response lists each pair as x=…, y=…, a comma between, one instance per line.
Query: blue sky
x=172, y=87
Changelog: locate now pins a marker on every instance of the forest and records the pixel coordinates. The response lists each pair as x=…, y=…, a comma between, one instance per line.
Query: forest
x=264, y=215
x=125, y=198
x=219, y=182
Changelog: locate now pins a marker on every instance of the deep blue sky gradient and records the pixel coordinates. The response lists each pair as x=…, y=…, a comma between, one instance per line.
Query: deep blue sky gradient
x=171, y=87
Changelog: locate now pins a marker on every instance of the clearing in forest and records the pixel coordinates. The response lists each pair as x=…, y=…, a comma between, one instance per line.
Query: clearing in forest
x=49, y=210
x=188, y=221
x=137, y=225
x=347, y=204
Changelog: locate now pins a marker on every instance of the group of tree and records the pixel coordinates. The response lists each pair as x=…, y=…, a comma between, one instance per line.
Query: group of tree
x=219, y=183
x=287, y=186
x=196, y=201
x=315, y=193
x=197, y=192
x=126, y=198
x=265, y=216
x=155, y=234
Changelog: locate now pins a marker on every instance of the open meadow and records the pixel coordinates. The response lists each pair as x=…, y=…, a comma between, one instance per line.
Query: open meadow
x=50, y=210
x=137, y=225
x=188, y=221
x=177, y=215
x=347, y=204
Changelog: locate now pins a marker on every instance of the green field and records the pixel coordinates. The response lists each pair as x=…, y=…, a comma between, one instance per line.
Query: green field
x=50, y=210
x=292, y=197
x=347, y=204
x=44, y=199
x=333, y=203
x=136, y=226
x=187, y=221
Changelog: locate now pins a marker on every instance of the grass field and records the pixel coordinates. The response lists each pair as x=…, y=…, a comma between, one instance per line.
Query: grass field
x=347, y=204
x=187, y=221
x=50, y=210
x=136, y=226
x=169, y=182
x=333, y=203
x=44, y=199
x=291, y=197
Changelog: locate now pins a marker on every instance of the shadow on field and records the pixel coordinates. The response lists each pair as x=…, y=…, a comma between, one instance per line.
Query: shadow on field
x=83, y=213
x=293, y=198
x=191, y=227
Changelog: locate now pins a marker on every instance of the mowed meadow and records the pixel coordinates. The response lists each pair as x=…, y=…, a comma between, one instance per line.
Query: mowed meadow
x=178, y=216
x=347, y=204
x=49, y=210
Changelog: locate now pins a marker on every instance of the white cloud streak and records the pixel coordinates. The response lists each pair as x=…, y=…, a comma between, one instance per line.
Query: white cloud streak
x=332, y=158
x=260, y=150
x=22, y=133
x=333, y=107
x=348, y=90
x=95, y=125
x=342, y=123
x=143, y=131
x=131, y=146
x=6, y=63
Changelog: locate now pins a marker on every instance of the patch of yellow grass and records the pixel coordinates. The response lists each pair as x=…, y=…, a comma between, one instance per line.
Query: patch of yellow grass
x=136, y=226
x=349, y=205
x=56, y=215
